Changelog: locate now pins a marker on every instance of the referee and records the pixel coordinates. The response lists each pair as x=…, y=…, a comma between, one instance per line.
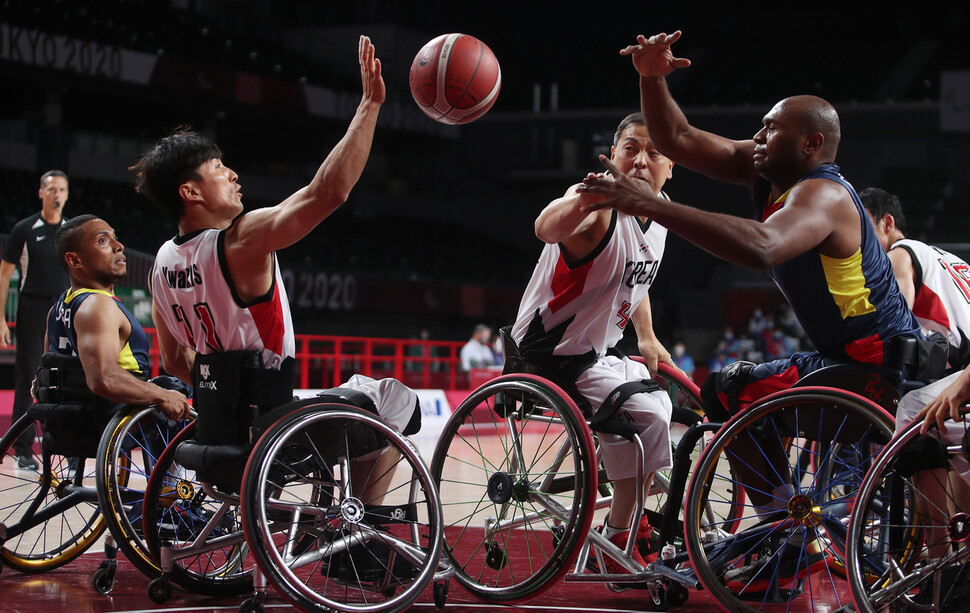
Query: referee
x=42, y=279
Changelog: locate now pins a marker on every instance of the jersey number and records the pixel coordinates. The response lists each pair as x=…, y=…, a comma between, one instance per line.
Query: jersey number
x=204, y=315
x=624, y=314
x=961, y=277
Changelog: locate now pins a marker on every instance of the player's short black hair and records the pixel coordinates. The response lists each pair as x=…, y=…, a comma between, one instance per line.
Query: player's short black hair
x=633, y=119
x=173, y=160
x=69, y=235
x=879, y=202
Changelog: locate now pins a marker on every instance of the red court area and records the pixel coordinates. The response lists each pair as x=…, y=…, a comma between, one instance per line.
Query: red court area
x=69, y=589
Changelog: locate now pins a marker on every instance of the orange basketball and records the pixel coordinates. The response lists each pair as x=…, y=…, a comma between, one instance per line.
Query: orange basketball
x=455, y=78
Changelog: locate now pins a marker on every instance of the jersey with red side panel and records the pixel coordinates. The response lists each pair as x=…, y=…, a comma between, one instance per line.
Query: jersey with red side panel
x=583, y=307
x=193, y=292
x=942, y=301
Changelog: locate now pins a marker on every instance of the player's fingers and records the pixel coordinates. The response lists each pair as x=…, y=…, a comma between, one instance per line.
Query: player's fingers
x=609, y=165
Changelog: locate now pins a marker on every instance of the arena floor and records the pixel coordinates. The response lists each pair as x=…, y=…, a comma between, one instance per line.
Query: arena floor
x=69, y=589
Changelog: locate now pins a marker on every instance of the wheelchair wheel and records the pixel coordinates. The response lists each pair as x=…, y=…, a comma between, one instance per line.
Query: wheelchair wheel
x=200, y=525
x=688, y=409
x=50, y=514
x=341, y=511
x=790, y=528
x=128, y=452
x=515, y=468
x=899, y=557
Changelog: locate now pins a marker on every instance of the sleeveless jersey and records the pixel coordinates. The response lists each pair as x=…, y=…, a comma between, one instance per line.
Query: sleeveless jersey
x=193, y=292
x=942, y=301
x=848, y=307
x=62, y=337
x=578, y=308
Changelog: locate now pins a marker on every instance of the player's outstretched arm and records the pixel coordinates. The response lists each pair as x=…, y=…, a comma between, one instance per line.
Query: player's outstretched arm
x=813, y=211
x=566, y=221
x=263, y=231
x=720, y=158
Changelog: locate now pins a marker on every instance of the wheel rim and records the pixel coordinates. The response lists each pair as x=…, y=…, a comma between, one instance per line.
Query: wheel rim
x=516, y=554
x=63, y=537
x=799, y=546
x=321, y=543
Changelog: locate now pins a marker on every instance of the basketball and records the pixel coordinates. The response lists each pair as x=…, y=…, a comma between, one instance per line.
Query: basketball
x=455, y=78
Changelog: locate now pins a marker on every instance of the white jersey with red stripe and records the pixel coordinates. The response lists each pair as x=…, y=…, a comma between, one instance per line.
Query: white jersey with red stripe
x=942, y=301
x=193, y=292
x=572, y=308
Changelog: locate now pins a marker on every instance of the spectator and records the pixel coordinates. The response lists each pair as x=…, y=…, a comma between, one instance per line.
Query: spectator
x=682, y=359
x=477, y=353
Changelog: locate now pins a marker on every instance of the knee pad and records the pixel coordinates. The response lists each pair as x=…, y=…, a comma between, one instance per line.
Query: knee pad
x=721, y=390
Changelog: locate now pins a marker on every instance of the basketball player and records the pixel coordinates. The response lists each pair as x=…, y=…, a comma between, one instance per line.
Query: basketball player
x=809, y=230
x=592, y=279
x=90, y=322
x=935, y=283
x=216, y=287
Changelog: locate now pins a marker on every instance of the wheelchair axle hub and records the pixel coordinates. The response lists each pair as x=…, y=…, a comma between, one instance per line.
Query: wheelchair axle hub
x=801, y=509
x=501, y=489
x=959, y=527
x=352, y=510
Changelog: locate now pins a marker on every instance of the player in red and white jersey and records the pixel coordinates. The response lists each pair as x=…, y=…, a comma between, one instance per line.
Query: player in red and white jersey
x=592, y=279
x=193, y=293
x=216, y=286
x=935, y=283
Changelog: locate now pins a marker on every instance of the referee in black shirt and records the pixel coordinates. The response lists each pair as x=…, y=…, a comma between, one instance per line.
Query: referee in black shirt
x=31, y=248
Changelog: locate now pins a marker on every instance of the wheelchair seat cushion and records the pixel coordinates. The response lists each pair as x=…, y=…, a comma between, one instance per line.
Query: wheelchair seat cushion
x=222, y=465
x=73, y=429
x=879, y=384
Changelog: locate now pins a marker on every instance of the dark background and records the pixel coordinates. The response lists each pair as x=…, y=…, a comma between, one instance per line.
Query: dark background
x=437, y=235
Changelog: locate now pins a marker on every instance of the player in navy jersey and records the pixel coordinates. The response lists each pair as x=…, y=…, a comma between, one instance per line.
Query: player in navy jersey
x=90, y=322
x=810, y=231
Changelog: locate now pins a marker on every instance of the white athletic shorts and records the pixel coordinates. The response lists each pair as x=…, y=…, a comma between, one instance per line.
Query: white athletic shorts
x=395, y=401
x=649, y=412
x=913, y=402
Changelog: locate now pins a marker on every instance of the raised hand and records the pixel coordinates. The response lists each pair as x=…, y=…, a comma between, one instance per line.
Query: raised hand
x=652, y=56
x=370, y=71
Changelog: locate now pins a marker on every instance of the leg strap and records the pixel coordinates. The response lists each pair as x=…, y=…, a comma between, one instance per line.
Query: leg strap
x=604, y=420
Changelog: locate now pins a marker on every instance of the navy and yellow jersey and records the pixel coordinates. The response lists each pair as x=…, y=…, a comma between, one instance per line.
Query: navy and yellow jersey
x=848, y=307
x=62, y=338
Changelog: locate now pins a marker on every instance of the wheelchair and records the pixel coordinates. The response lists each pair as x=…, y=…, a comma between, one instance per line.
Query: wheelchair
x=525, y=458
x=54, y=513
x=334, y=527
x=88, y=477
x=520, y=480
x=907, y=540
x=287, y=493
